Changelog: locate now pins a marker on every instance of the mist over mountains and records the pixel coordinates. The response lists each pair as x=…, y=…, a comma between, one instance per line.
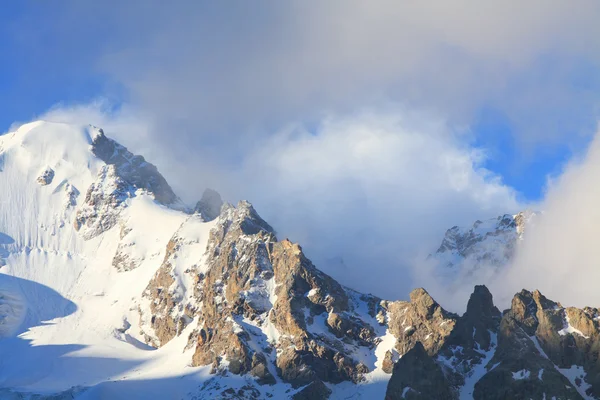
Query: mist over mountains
x=112, y=287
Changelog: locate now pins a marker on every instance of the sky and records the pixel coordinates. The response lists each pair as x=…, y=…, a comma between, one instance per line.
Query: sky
x=361, y=130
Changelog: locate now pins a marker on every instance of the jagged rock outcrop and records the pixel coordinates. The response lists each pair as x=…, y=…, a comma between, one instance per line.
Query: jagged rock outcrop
x=103, y=203
x=118, y=180
x=133, y=169
x=164, y=321
x=473, y=339
x=465, y=345
x=387, y=364
x=170, y=306
x=420, y=320
x=209, y=205
x=417, y=376
x=477, y=325
x=306, y=295
x=262, y=308
x=520, y=367
x=235, y=288
x=46, y=177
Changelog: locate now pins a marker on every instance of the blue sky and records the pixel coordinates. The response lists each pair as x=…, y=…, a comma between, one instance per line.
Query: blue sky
x=30, y=84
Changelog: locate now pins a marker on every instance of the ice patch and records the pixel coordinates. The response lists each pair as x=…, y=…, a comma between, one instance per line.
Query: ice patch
x=521, y=374
x=576, y=375
x=479, y=370
x=388, y=342
x=569, y=329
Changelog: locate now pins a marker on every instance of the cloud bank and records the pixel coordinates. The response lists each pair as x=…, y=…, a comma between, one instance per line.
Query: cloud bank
x=364, y=194
x=561, y=255
x=216, y=70
x=308, y=110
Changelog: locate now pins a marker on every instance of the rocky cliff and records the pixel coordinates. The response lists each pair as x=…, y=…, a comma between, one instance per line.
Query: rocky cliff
x=260, y=308
x=536, y=350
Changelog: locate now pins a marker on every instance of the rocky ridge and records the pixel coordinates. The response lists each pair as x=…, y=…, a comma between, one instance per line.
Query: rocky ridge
x=536, y=350
x=261, y=308
x=122, y=175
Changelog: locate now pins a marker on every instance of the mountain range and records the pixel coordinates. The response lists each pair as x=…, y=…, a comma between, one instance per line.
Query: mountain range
x=112, y=288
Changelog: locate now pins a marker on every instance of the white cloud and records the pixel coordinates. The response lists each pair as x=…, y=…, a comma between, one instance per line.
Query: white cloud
x=561, y=255
x=375, y=189
x=208, y=71
x=211, y=89
x=221, y=70
x=363, y=194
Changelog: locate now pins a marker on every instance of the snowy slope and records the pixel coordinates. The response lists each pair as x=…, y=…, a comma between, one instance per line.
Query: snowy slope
x=83, y=234
x=64, y=306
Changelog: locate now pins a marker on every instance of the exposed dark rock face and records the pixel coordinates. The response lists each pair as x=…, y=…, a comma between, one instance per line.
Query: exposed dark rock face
x=473, y=339
x=420, y=320
x=416, y=376
x=103, y=203
x=479, y=322
x=315, y=390
x=520, y=367
x=118, y=180
x=46, y=177
x=209, y=205
x=263, y=310
x=133, y=169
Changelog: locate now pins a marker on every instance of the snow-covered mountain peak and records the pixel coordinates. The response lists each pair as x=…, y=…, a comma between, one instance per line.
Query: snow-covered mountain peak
x=38, y=146
x=491, y=242
x=53, y=140
x=77, y=153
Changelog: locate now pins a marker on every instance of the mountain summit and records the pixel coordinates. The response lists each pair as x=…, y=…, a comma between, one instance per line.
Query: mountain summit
x=490, y=243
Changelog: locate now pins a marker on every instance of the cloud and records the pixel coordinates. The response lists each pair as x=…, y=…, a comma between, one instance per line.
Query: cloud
x=560, y=254
x=216, y=70
x=364, y=194
x=212, y=72
x=267, y=102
